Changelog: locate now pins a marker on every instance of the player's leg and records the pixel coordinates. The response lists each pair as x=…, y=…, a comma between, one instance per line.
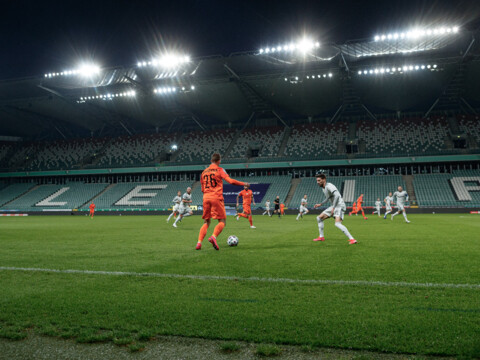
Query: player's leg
x=179, y=217
x=248, y=211
x=399, y=210
x=405, y=216
x=217, y=212
x=338, y=215
x=299, y=214
x=363, y=214
x=321, y=225
x=170, y=216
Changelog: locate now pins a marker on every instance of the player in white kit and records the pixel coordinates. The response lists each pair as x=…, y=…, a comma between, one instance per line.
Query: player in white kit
x=402, y=198
x=337, y=208
x=303, y=207
x=184, y=209
x=176, y=204
x=267, y=208
x=388, y=204
x=378, y=206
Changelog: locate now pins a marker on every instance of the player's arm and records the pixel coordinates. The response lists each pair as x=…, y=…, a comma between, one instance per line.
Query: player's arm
x=253, y=199
x=317, y=205
x=238, y=199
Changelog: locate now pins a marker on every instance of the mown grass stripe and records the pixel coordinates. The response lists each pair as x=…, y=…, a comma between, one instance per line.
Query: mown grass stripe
x=256, y=279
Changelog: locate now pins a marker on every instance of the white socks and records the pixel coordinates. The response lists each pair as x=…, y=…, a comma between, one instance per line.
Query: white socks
x=344, y=230
x=395, y=214
x=179, y=217
x=298, y=215
x=187, y=214
x=320, y=225
x=405, y=216
x=170, y=216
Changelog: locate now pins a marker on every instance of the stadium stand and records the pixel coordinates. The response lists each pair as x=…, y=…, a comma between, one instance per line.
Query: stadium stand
x=315, y=141
x=69, y=196
x=437, y=190
x=403, y=137
x=136, y=150
x=372, y=187
x=114, y=197
x=266, y=139
x=23, y=155
x=13, y=191
x=5, y=147
x=198, y=147
x=470, y=124
x=64, y=154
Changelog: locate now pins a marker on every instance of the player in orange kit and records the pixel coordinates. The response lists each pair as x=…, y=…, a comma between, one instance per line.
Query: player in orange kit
x=282, y=209
x=358, y=208
x=92, y=210
x=247, y=196
x=213, y=205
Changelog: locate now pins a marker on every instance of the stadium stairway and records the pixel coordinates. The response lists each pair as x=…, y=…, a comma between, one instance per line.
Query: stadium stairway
x=18, y=190
x=291, y=192
x=159, y=159
x=283, y=144
x=96, y=196
x=232, y=144
x=196, y=185
x=410, y=188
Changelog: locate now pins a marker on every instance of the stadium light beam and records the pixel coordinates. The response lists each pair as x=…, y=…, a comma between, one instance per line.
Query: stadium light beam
x=418, y=33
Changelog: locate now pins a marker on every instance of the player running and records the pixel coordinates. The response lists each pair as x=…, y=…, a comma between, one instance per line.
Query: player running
x=267, y=208
x=303, y=207
x=247, y=196
x=402, y=198
x=176, y=201
x=358, y=208
x=337, y=208
x=92, y=210
x=184, y=209
x=282, y=209
x=213, y=205
x=388, y=204
x=378, y=206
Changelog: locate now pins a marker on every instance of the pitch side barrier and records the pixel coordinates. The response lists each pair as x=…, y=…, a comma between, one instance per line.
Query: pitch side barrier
x=159, y=212
x=242, y=166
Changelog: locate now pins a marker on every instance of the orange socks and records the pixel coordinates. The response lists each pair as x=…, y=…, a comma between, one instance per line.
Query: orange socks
x=250, y=220
x=218, y=229
x=242, y=215
x=203, y=232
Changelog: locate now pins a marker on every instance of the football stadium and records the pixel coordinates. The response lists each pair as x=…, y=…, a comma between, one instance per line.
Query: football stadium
x=369, y=147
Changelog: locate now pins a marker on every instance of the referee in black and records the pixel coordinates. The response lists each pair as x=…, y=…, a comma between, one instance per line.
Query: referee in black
x=277, y=205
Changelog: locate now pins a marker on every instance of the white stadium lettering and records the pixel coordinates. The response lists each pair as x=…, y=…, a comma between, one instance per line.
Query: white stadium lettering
x=349, y=190
x=461, y=190
x=48, y=201
x=136, y=193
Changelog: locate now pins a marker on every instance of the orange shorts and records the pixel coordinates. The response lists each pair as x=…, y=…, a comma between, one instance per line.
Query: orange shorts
x=92, y=211
x=247, y=210
x=213, y=209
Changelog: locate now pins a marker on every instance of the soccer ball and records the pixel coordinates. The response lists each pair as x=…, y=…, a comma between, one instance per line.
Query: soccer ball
x=232, y=240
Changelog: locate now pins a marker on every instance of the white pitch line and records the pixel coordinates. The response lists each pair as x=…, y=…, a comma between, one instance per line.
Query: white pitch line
x=255, y=279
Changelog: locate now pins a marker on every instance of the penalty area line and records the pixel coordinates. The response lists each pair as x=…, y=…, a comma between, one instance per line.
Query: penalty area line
x=252, y=279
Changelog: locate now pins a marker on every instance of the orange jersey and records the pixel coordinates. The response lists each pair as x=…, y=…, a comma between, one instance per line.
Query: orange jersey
x=212, y=182
x=282, y=206
x=247, y=196
x=359, y=201
x=92, y=207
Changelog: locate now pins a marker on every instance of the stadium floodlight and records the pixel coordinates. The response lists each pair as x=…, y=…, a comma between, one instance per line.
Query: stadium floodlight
x=108, y=96
x=303, y=46
x=85, y=70
x=417, y=33
x=393, y=70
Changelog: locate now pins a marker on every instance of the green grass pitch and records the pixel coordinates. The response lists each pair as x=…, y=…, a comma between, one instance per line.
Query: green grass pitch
x=222, y=301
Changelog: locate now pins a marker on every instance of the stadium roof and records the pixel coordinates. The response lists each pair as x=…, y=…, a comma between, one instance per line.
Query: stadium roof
x=324, y=80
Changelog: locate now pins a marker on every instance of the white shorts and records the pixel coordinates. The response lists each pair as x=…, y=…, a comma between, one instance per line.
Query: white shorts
x=339, y=211
x=176, y=207
x=268, y=209
x=388, y=208
x=184, y=210
x=378, y=209
x=303, y=209
x=400, y=207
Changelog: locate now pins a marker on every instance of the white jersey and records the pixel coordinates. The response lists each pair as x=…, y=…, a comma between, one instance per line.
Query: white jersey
x=402, y=197
x=303, y=202
x=378, y=204
x=333, y=195
x=177, y=200
x=185, y=207
x=388, y=201
x=267, y=205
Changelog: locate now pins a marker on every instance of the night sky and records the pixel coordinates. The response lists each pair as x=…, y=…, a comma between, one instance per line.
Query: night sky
x=42, y=36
